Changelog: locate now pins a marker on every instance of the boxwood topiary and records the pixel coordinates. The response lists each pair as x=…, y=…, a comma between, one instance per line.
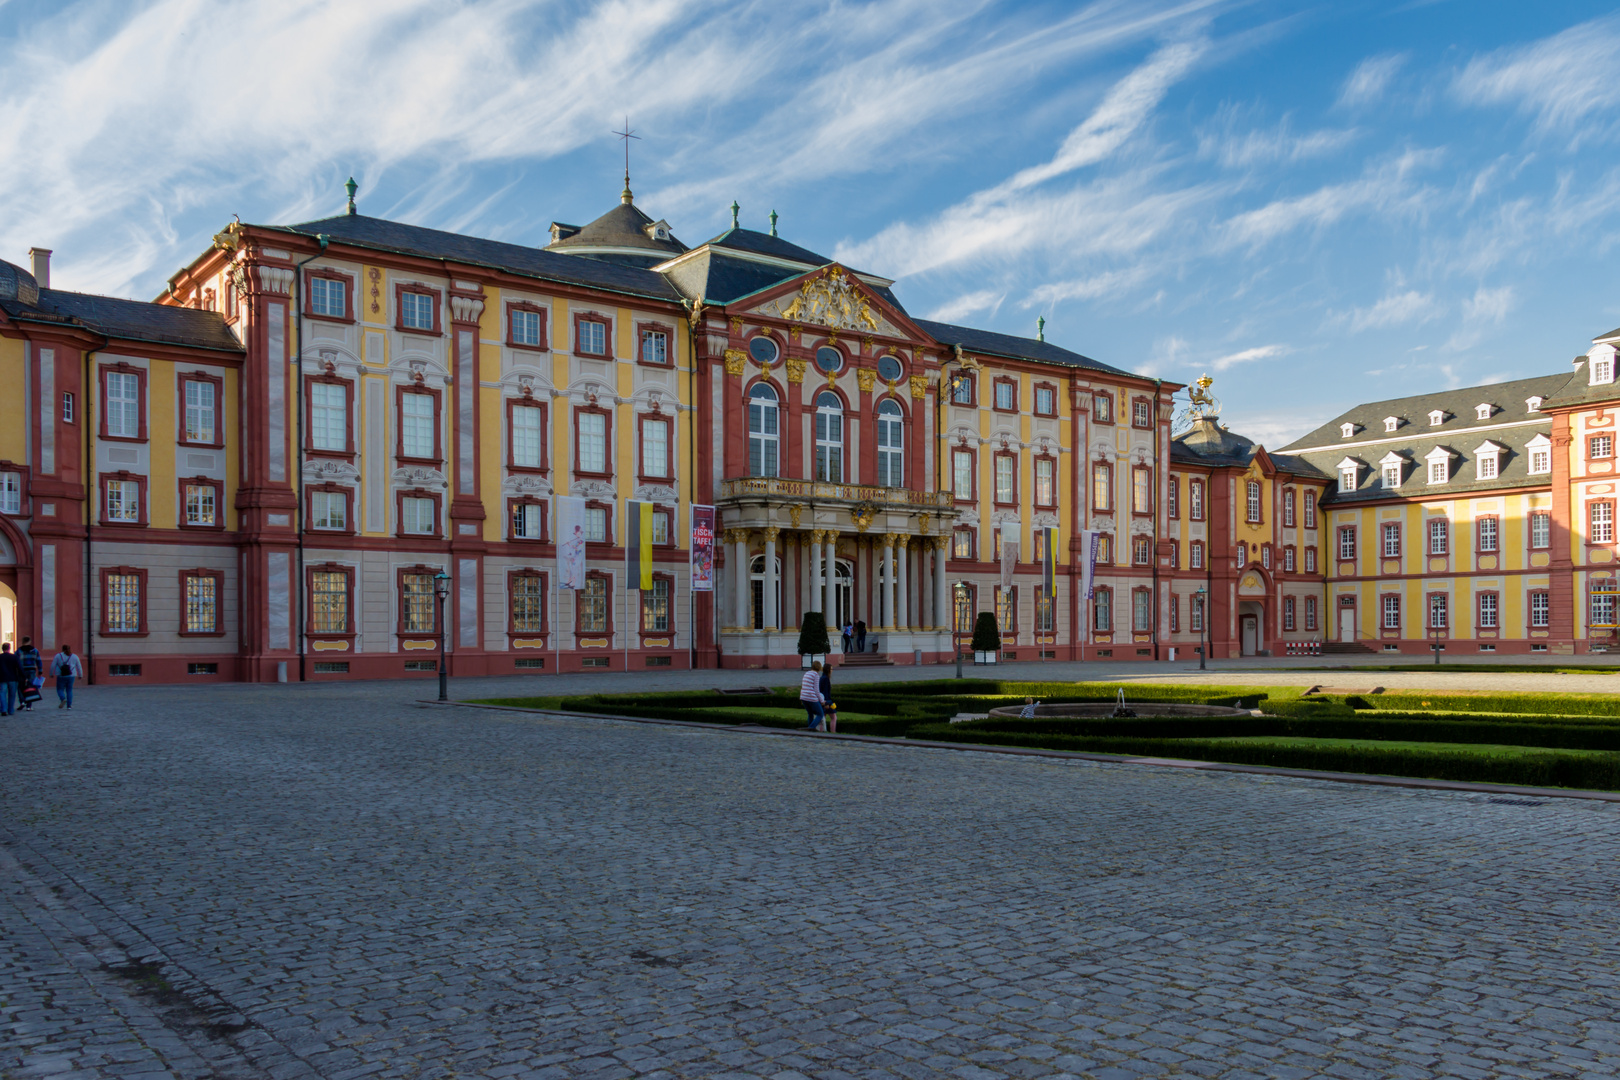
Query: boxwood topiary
x=986, y=635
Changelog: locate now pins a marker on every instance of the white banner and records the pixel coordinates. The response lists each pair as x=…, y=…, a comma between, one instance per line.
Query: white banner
x=1088, y=576
x=570, y=518
x=1009, y=555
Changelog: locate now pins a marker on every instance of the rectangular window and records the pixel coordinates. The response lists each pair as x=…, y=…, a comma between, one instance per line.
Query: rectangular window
x=1195, y=500
x=1174, y=498
x=1392, y=540
x=1602, y=516
x=1105, y=548
x=329, y=510
x=1288, y=613
x=123, y=405
x=596, y=524
x=962, y=473
x=1195, y=555
x=1487, y=611
x=1288, y=508
x=528, y=604
x=1007, y=613
x=1006, y=478
x=1102, y=610
x=1392, y=475
x=1265, y=556
x=527, y=436
x=1142, y=414
x=1006, y=395
x=962, y=544
x=1347, y=542
x=526, y=328
x=1540, y=460
x=200, y=508
x=1195, y=613
x=1439, y=536
x=1102, y=486
x=592, y=338
x=592, y=442
x=418, y=516
x=1486, y=467
x=962, y=390
x=1600, y=446
x=655, y=448
x=1142, y=551
x=67, y=407
x=329, y=602
x=655, y=607
x=654, y=347
x=416, y=603
x=416, y=311
x=1045, y=482
x=1142, y=491
x=123, y=603
x=1391, y=606
x=1540, y=529
x=1175, y=554
x=1310, y=613
x=1175, y=614
x=10, y=493
x=202, y=604
x=528, y=521
x=1347, y=478
x=199, y=411
x=593, y=606
x=416, y=426
x=1310, y=560
x=124, y=501
x=1540, y=609
x=661, y=526
x=1485, y=529
x=1102, y=408
x=1045, y=401
x=1310, y=509
x=329, y=417
x=329, y=297
x=1141, y=611
x=1251, y=504
x=1045, y=613
x=1603, y=604
x=1437, y=611
x=1288, y=560
x=1439, y=471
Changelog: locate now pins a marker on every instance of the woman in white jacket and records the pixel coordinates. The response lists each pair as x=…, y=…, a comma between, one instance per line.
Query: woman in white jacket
x=65, y=666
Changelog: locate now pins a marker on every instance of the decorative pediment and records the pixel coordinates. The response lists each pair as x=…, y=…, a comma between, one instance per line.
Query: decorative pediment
x=831, y=298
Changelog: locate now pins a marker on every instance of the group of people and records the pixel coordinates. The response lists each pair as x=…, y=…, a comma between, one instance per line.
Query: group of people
x=855, y=633
x=815, y=694
x=22, y=674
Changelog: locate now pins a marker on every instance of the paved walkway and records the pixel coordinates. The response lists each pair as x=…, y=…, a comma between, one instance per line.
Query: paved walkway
x=335, y=882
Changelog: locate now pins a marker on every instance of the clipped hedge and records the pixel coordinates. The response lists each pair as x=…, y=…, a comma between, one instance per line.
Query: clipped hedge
x=1543, y=704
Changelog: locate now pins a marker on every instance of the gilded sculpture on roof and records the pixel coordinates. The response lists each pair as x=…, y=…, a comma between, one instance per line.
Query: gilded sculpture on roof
x=830, y=299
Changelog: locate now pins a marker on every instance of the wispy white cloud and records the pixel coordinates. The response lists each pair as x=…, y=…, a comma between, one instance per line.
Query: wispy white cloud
x=1395, y=309
x=1487, y=309
x=1371, y=79
x=1268, y=147
x=1566, y=81
x=1386, y=189
x=1248, y=356
x=985, y=300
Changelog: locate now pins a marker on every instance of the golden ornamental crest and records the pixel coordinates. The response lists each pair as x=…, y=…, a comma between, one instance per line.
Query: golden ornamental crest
x=735, y=359
x=830, y=299
x=795, y=371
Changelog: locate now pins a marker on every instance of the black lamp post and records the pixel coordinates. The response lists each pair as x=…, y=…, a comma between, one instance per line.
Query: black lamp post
x=1203, y=623
x=441, y=589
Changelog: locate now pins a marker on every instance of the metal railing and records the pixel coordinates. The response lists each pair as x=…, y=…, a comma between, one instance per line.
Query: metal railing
x=780, y=487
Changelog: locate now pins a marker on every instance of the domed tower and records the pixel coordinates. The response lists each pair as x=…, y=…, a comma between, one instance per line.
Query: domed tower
x=18, y=284
x=623, y=235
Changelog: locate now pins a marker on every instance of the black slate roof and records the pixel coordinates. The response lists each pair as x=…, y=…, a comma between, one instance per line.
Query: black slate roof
x=1458, y=405
x=765, y=244
x=1208, y=443
x=370, y=232
x=1018, y=348
x=130, y=320
x=717, y=278
x=624, y=226
x=1577, y=389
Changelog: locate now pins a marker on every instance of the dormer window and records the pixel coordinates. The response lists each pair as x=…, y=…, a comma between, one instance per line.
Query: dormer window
x=1437, y=417
x=1487, y=461
x=1439, y=461
x=1600, y=364
x=1391, y=423
x=1391, y=467
x=1532, y=404
x=658, y=230
x=1348, y=430
x=1349, y=474
x=1483, y=412
x=1540, y=450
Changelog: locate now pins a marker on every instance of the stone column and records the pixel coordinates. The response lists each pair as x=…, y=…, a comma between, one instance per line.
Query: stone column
x=924, y=577
x=942, y=599
x=902, y=579
x=888, y=580
x=813, y=589
x=829, y=583
x=741, y=581
x=773, y=619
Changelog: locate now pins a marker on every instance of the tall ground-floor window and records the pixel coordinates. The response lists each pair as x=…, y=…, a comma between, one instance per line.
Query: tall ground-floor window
x=593, y=606
x=1540, y=609
x=962, y=601
x=329, y=602
x=1310, y=612
x=1603, y=603
x=123, y=603
x=1195, y=613
x=1102, y=610
x=655, y=607
x=1288, y=613
x=202, y=603
x=416, y=603
x=1141, y=611
x=1007, y=611
x=1487, y=611
x=1045, y=612
x=1391, y=603
x=528, y=604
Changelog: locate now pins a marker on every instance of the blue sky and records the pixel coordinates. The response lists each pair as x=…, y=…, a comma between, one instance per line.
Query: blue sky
x=1316, y=204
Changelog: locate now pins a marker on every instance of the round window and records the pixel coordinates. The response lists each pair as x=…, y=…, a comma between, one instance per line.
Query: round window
x=889, y=369
x=763, y=349
x=829, y=358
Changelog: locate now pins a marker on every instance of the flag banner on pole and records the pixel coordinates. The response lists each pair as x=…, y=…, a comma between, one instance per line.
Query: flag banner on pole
x=1088, y=563
x=1048, y=572
x=702, y=549
x=638, y=545
x=1009, y=556
x=570, y=519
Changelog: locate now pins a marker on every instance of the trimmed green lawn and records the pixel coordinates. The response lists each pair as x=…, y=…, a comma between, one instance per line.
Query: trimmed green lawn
x=1483, y=749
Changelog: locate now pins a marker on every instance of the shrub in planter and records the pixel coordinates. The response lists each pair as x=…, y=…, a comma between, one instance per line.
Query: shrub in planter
x=813, y=635
x=986, y=635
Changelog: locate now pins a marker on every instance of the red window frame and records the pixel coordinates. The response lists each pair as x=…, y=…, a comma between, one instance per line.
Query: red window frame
x=641, y=606
x=642, y=420
x=513, y=404
x=669, y=531
x=1035, y=480
x=1344, y=530
x=348, y=509
x=1385, y=530
x=219, y=408
x=1175, y=554
x=607, y=631
x=972, y=543
x=309, y=605
x=399, y=597
x=438, y=514
x=1428, y=611
x=349, y=285
x=1197, y=508
x=955, y=380
x=545, y=608
x=219, y=602
x=642, y=328
x=1148, y=424
x=1290, y=559
x=1035, y=398
x=1591, y=454
x=1479, y=609
x=400, y=289
x=1105, y=548
x=1310, y=613
x=1530, y=609
x=973, y=456
x=1138, y=471
x=1288, y=507
x=180, y=503
x=545, y=520
x=545, y=326
x=1099, y=593
x=399, y=424
x=607, y=334
x=1614, y=525
x=601, y=547
x=125, y=571
x=1429, y=536
x=1479, y=535
x=996, y=383
x=1311, y=561
x=1175, y=614
x=1530, y=521
x=1141, y=551
x=607, y=440
x=1102, y=407
x=1195, y=555
x=141, y=483
x=1288, y=614
x=1091, y=492
x=141, y=375
x=1310, y=510
x=995, y=492
x=1173, y=494
x=348, y=416
x=1254, y=492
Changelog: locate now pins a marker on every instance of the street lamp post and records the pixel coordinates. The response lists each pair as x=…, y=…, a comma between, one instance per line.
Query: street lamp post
x=441, y=589
x=1203, y=621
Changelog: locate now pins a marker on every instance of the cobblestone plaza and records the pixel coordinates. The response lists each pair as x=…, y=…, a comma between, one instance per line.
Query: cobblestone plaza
x=339, y=881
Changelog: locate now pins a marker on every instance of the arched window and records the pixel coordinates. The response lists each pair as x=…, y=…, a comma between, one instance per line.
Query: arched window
x=891, y=444
x=829, y=438
x=763, y=438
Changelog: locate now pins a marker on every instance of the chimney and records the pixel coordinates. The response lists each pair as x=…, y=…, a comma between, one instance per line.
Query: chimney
x=41, y=258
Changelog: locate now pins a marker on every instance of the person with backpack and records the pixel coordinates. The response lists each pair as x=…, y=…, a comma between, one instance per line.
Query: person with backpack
x=33, y=669
x=65, y=666
x=10, y=680
x=810, y=695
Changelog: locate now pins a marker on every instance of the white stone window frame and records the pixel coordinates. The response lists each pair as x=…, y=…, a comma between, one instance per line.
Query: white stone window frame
x=1437, y=417
x=1600, y=365
x=1488, y=460
x=1347, y=430
x=1483, y=411
x=1539, y=450
x=1438, y=459
x=1533, y=403
x=1352, y=468
x=1387, y=463
x=1391, y=423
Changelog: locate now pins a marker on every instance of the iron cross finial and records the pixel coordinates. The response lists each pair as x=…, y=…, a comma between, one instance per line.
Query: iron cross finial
x=627, y=134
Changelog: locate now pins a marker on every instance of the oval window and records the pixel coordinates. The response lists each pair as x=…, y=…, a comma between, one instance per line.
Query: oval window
x=889, y=369
x=829, y=358
x=763, y=349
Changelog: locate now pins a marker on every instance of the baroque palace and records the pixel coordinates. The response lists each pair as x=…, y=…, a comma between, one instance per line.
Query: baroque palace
x=327, y=443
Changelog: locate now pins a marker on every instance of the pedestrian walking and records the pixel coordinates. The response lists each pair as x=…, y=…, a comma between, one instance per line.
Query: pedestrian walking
x=810, y=694
x=829, y=717
x=10, y=680
x=65, y=666
x=849, y=635
x=860, y=635
x=33, y=669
